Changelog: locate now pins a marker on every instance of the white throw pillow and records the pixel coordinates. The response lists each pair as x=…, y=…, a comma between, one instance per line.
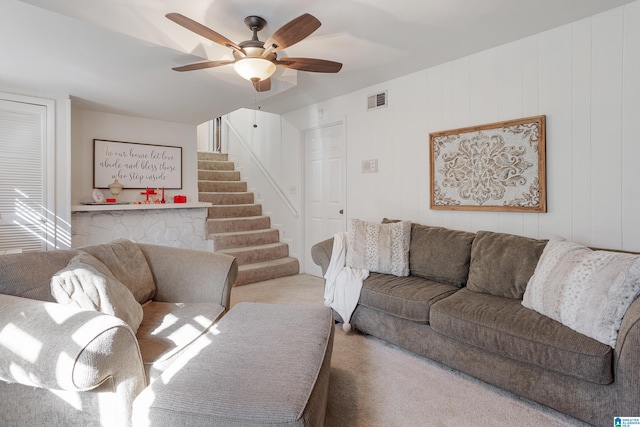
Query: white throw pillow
x=380, y=248
x=87, y=283
x=588, y=291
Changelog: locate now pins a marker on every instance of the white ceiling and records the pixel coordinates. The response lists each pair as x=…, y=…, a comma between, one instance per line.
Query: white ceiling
x=116, y=55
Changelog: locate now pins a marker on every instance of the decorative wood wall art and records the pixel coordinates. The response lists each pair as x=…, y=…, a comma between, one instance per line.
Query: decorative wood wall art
x=493, y=167
x=136, y=165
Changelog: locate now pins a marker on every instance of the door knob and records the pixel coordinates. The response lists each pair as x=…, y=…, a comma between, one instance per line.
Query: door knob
x=341, y=211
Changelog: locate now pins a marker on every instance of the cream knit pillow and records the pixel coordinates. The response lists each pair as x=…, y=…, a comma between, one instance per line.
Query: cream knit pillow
x=588, y=291
x=379, y=248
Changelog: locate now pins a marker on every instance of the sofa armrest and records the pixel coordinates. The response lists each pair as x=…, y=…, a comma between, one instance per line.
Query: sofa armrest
x=187, y=275
x=627, y=362
x=61, y=347
x=321, y=253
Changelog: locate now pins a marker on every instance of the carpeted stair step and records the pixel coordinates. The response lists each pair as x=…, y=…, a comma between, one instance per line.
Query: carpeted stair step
x=257, y=272
x=259, y=253
x=206, y=155
x=217, y=165
x=234, y=211
x=227, y=198
x=223, y=225
x=221, y=186
x=235, y=223
x=216, y=175
x=236, y=239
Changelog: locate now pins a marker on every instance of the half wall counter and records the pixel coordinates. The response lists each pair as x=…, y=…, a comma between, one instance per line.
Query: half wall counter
x=171, y=224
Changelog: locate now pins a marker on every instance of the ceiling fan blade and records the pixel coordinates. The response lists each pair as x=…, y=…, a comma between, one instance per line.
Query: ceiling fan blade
x=292, y=32
x=262, y=85
x=200, y=29
x=202, y=65
x=310, y=64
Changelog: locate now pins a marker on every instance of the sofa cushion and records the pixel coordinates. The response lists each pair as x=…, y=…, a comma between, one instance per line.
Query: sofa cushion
x=440, y=254
x=381, y=248
x=87, y=283
x=168, y=328
x=19, y=278
x=503, y=326
x=501, y=264
x=127, y=262
x=406, y=297
x=588, y=291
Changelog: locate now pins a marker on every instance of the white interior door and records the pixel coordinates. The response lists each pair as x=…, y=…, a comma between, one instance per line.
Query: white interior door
x=325, y=187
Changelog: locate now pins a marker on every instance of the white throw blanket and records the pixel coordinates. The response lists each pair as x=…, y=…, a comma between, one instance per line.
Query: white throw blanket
x=343, y=284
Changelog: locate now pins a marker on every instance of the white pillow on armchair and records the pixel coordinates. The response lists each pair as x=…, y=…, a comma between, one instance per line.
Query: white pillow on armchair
x=87, y=283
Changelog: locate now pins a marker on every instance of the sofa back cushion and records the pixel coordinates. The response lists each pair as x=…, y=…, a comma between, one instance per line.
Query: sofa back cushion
x=28, y=274
x=128, y=264
x=440, y=254
x=501, y=264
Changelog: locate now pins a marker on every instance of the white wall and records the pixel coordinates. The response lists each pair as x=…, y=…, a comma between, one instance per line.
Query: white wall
x=268, y=158
x=88, y=125
x=583, y=76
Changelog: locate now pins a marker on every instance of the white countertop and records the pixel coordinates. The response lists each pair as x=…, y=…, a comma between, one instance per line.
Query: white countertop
x=133, y=207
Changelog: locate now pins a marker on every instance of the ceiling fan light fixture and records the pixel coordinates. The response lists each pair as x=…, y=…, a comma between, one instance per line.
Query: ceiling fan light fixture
x=254, y=69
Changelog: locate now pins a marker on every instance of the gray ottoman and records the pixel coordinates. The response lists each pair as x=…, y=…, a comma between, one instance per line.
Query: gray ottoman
x=262, y=364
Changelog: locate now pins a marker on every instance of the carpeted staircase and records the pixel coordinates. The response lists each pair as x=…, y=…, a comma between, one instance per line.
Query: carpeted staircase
x=236, y=225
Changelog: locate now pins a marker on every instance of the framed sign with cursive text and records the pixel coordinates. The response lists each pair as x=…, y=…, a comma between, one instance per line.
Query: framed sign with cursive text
x=136, y=165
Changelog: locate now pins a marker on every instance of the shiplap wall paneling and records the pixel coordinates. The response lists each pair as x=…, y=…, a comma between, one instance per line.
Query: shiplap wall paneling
x=410, y=148
x=448, y=120
x=581, y=132
x=606, y=129
x=460, y=220
x=434, y=122
x=555, y=101
x=483, y=108
x=530, y=107
x=631, y=129
x=510, y=107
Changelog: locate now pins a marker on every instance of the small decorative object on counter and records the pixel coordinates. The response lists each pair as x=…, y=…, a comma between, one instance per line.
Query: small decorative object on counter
x=97, y=196
x=179, y=199
x=148, y=192
x=116, y=188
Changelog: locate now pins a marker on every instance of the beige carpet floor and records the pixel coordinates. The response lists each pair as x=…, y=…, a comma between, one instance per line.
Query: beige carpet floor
x=374, y=384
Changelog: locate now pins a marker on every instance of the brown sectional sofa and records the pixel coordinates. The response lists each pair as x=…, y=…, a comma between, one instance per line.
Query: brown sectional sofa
x=461, y=306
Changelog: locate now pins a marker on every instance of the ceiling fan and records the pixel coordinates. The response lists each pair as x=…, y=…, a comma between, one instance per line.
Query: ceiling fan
x=255, y=60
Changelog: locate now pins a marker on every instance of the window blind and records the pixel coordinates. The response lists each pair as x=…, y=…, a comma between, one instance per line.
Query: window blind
x=22, y=175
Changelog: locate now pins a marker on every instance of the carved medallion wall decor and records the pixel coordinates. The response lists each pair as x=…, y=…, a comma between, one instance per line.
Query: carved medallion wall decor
x=494, y=167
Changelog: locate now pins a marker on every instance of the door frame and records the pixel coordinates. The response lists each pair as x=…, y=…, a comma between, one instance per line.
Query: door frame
x=341, y=120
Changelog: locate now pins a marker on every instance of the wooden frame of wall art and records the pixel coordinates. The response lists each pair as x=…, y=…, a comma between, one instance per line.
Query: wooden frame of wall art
x=498, y=167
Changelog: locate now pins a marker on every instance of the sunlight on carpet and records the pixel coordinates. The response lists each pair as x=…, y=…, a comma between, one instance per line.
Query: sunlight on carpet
x=377, y=384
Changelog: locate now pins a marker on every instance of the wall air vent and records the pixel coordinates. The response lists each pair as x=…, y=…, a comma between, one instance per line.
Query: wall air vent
x=378, y=100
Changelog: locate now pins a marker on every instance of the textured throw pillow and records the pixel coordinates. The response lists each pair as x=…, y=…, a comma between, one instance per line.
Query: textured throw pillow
x=87, y=283
x=380, y=248
x=588, y=291
x=127, y=263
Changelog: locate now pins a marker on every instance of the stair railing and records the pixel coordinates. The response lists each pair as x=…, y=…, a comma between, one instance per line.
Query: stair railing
x=264, y=171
